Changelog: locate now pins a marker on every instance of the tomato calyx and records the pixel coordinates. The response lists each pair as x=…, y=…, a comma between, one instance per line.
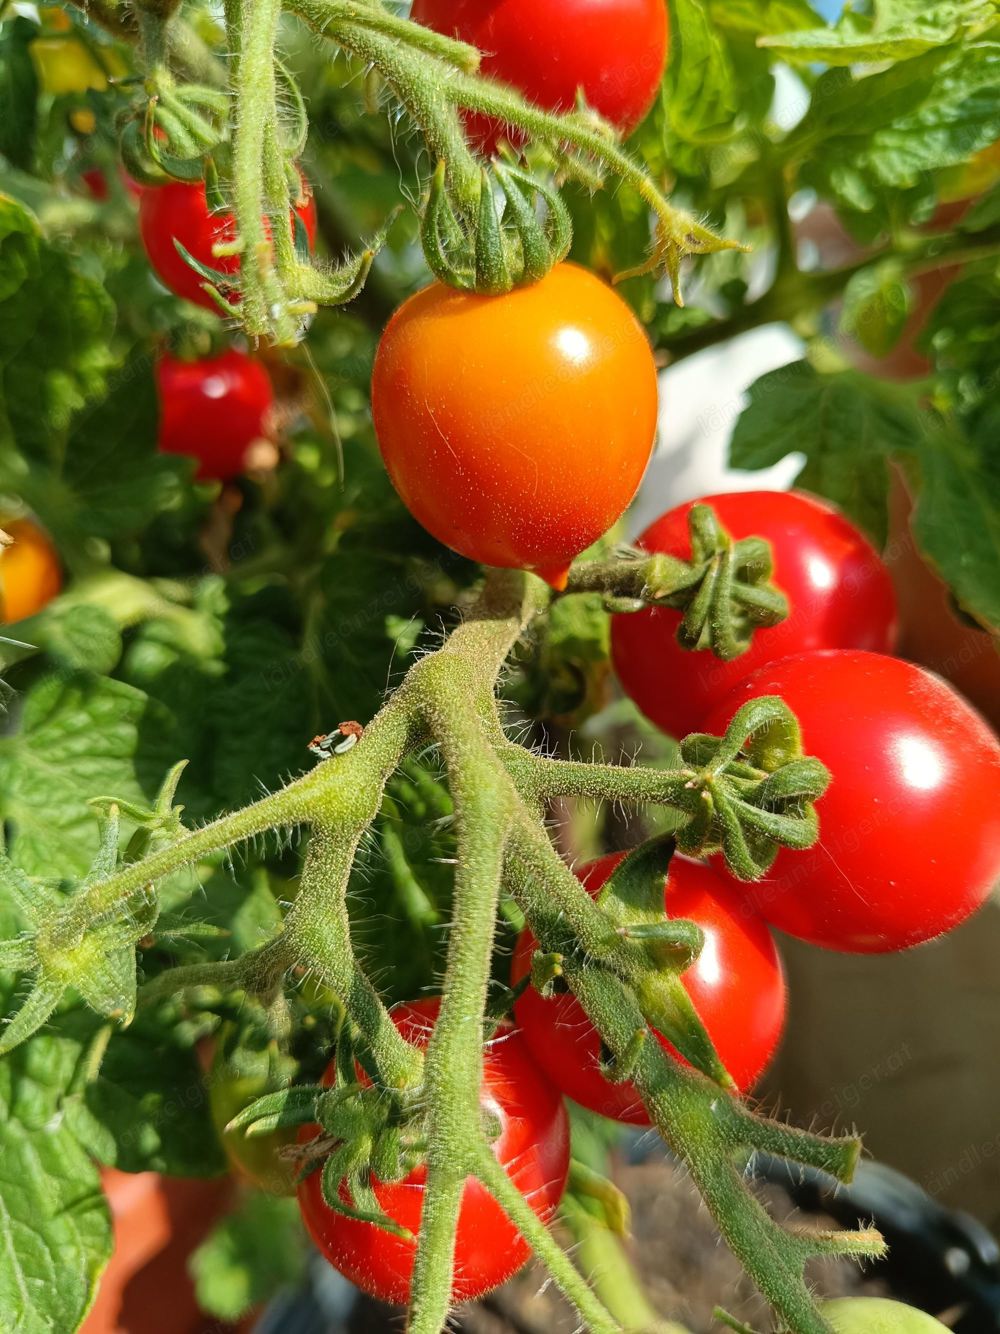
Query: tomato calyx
x=361, y=1130
x=724, y=590
x=752, y=790
x=507, y=243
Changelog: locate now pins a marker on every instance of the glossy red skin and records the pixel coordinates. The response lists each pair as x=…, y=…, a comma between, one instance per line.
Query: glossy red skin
x=516, y=428
x=737, y=985
x=180, y=211
x=615, y=50
x=839, y=591
x=909, y=840
x=212, y=410
x=533, y=1147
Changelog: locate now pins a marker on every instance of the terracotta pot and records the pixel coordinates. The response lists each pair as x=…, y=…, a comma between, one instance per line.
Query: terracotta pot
x=158, y=1221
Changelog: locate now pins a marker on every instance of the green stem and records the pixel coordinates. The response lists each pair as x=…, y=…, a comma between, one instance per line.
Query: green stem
x=454, y=1063
x=797, y=298
x=603, y=1258
x=263, y=305
x=318, y=933
x=417, y=85
x=338, y=789
x=373, y=18
x=572, y=1284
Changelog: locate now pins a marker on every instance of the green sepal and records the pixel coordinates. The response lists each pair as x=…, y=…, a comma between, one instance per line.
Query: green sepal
x=591, y=1185
x=633, y=898
x=293, y=1106
x=668, y=1008
x=493, y=275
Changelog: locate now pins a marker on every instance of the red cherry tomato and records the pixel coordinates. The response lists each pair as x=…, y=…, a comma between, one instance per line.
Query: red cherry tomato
x=178, y=211
x=516, y=428
x=909, y=841
x=29, y=570
x=737, y=985
x=614, y=50
x=212, y=410
x=839, y=592
x=533, y=1147
x=95, y=183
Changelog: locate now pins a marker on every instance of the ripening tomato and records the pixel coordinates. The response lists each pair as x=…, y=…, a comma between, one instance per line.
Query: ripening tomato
x=909, y=840
x=533, y=1147
x=839, y=592
x=29, y=570
x=516, y=428
x=237, y=1077
x=213, y=410
x=737, y=985
x=179, y=211
x=877, y=1315
x=614, y=50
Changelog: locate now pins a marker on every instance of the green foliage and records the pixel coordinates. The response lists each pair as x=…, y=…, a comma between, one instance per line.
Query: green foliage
x=56, y=1218
x=228, y=628
x=251, y=1254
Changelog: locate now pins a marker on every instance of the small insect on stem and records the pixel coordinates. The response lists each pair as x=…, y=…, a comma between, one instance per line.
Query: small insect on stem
x=343, y=737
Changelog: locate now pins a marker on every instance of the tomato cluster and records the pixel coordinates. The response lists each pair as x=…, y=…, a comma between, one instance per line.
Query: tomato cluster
x=909, y=841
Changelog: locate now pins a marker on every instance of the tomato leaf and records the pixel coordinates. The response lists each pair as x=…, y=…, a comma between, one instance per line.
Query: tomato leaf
x=702, y=99
x=844, y=424
x=250, y=1256
x=55, y=327
x=79, y=735
x=957, y=519
x=56, y=1220
x=18, y=93
x=146, y=1109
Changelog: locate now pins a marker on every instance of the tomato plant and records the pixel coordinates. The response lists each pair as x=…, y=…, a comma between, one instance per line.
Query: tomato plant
x=179, y=213
x=910, y=838
x=30, y=575
x=531, y=1143
x=277, y=758
x=838, y=589
x=554, y=49
x=736, y=984
x=475, y=400
x=213, y=409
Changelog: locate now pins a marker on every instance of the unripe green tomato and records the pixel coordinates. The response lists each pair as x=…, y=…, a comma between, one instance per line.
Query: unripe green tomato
x=877, y=1315
x=256, y=1159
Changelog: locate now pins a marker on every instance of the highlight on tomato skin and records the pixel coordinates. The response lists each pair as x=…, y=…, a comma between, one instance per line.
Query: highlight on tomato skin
x=213, y=410
x=516, y=428
x=737, y=985
x=909, y=828
x=839, y=591
x=30, y=572
x=613, y=51
x=533, y=1147
x=179, y=211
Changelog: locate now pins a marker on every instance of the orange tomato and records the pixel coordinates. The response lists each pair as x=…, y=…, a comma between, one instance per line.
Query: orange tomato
x=29, y=570
x=516, y=428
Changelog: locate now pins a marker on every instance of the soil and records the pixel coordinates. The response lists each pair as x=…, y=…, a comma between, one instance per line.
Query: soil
x=687, y=1271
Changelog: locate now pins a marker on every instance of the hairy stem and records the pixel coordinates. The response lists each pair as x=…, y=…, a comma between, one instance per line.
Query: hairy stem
x=571, y=1283
x=454, y=1066
x=318, y=933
